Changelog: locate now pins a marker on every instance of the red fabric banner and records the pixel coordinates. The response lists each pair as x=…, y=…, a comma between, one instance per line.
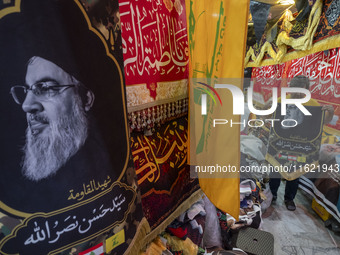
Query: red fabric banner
x=323, y=70
x=265, y=79
x=155, y=45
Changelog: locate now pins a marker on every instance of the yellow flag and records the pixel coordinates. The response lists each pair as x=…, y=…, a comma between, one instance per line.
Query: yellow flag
x=115, y=240
x=217, y=37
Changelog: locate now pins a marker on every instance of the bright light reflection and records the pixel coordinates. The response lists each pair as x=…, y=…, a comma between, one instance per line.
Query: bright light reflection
x=286, y=2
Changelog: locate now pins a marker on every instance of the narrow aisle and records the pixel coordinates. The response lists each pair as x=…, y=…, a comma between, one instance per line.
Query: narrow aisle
x=301, y=232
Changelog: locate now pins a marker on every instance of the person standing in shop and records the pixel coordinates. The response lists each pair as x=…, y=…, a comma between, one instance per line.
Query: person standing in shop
x=299, y=81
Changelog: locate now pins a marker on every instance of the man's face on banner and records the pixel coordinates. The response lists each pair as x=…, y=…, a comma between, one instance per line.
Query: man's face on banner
x=57, y=123
x=328, y=152
x=41, y=70
x=293, y=113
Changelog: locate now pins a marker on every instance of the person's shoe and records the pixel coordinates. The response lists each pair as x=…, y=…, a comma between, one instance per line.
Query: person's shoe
x=290, y=205
x=274, y=198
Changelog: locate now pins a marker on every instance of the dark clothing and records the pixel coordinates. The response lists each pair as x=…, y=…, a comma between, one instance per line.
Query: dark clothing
x=290, y=190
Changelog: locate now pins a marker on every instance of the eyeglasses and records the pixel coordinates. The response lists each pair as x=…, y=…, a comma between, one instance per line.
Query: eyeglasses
x=42, y=90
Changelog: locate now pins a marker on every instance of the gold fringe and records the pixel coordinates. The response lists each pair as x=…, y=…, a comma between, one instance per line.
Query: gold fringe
x=297, y=173
x=325, y=44
x=303, y=42
x=179, y=210
x=303, y=45
x=138, y=241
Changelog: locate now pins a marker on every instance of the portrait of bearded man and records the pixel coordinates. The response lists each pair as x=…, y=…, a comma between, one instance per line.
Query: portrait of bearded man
x=65, y=111
x=328, y=153
x=56, y=117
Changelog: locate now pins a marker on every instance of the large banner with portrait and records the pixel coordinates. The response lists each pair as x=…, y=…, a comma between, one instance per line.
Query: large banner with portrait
x=67, y=182
x=294, y=141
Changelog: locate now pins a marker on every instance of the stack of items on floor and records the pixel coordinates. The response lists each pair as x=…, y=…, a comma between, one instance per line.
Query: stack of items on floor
x=183, y=235
x=196, y=231
x=203, y=229
x=250, y=213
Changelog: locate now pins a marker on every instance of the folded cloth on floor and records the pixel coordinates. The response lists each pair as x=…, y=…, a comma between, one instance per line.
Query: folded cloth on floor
x=180, y=231
x=193, y=211
x=251, y=218
x=246, y=187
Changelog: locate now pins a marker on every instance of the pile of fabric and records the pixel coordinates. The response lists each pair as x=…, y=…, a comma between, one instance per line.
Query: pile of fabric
x=204, y=229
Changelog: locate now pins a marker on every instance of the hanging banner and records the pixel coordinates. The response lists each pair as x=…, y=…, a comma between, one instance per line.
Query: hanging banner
x=163, y=174
x=67, y=179
x=295, y=36
x=217, y=35
x=294, y=145
x=155, y=50
x=323, y=71
x=264, y=80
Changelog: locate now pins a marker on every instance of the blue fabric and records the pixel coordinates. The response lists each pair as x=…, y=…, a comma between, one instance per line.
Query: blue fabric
x=244, y=203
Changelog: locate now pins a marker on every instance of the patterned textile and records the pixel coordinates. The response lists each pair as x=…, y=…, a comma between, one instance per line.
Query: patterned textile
x=265, y=79
x=259, y=12
x=153, y=76
x=325, y=192
x=162, y=172
x=329, y=24
x=155, y=50
x=289, y=31
x=322, y=68
x=155, y=45
x=295, y=150
x=291, y=38
x=151, y=118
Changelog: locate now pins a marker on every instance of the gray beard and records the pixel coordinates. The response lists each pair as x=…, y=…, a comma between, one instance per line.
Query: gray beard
x=326, y=156
x=44, y=155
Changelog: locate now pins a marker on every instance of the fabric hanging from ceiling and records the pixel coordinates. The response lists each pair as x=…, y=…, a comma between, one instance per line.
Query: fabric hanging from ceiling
x=259, y=13
x=290, y=38
x=163, y=174
x=156, y=55
x=217, y=35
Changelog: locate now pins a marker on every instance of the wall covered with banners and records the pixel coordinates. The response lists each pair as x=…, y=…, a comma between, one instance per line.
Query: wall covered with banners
x=156, y=55
x=321, y=68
